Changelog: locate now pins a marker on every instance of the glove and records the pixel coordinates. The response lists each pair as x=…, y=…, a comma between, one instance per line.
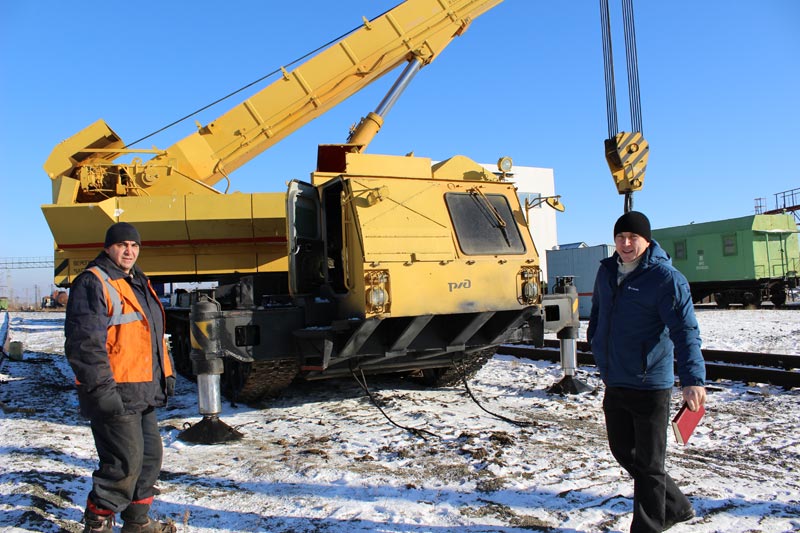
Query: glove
x=109, y=404
x=170, y=385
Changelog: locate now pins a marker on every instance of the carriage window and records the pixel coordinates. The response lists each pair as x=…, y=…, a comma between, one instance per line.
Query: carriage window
x=729, y=245
x=484, y=224
x=680, y=249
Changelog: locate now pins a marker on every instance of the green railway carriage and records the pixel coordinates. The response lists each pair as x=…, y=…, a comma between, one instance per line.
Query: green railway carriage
x=745, y=260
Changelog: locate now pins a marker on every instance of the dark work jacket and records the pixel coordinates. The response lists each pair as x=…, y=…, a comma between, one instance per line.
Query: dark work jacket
x=137, y=378
x=637, y=329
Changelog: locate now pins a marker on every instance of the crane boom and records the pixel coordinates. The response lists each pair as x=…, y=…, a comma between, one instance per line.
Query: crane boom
x=415, y=30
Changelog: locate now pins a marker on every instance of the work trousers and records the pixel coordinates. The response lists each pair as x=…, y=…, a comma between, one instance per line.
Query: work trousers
x=636, y=422
x=130, y=451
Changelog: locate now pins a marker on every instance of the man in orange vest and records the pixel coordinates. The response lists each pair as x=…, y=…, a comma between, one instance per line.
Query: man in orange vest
x=116, y=346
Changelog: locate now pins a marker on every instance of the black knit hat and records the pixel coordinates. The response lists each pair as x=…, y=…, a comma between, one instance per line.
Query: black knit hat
x=633, y=222
x=121, y=231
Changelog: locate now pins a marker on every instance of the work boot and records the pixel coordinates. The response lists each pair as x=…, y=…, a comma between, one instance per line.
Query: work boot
x=97, y=520
x=151, y=526
x=98, y=523
x=136, y=520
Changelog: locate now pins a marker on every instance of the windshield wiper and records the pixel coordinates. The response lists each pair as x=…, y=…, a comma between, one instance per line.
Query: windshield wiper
x=477, y=193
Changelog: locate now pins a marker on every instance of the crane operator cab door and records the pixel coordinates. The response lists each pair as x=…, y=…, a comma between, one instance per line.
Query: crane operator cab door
x=307, y=266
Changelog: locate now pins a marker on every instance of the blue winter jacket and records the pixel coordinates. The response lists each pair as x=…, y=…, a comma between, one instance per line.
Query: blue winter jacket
x=635, y=327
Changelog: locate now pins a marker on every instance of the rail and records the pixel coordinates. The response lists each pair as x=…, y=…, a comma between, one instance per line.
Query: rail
x=750, y=367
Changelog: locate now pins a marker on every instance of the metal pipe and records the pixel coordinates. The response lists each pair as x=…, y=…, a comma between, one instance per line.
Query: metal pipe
x=209, y=399
x=399, y=86
x=369, y=126
x=569, y=356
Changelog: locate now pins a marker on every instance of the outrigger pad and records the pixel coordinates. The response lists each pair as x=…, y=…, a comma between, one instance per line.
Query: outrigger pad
x=210, y=430
x=569, y=385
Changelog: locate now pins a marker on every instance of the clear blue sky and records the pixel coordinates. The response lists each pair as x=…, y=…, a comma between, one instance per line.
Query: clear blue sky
x=719, y=80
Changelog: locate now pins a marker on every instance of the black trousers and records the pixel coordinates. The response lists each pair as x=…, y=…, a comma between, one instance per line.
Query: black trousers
x=130, y=452
x=637, y=422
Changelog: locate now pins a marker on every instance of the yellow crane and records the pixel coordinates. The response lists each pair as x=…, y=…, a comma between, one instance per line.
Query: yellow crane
x=170, y=197
x=381, y=263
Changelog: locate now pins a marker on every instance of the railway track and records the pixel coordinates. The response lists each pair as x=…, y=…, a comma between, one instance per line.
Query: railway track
x=750, y=367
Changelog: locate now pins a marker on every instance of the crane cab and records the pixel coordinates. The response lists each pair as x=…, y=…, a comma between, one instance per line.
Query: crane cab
x=392, y=236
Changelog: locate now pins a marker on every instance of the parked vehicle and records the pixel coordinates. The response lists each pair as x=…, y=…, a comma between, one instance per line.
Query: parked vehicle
x=746, y=260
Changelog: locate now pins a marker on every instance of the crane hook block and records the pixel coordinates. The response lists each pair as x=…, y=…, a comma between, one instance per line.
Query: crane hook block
x=627, y=155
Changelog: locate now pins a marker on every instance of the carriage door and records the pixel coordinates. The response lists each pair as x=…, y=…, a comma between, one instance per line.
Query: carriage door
x=305, y=246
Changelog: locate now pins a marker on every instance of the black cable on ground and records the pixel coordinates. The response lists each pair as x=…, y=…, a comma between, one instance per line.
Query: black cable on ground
x=520, y=423
x=415, y=431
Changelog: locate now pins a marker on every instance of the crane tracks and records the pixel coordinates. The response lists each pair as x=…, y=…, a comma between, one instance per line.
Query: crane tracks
x=749, y=367
x=250, y=382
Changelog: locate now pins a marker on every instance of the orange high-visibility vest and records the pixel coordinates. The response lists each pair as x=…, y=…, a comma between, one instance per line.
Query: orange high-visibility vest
x=128, y=343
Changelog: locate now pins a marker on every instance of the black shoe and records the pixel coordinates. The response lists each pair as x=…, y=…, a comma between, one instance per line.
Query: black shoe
x=688, y=514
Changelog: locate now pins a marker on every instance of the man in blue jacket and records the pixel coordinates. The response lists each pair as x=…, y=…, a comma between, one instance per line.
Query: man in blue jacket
x=642, y=319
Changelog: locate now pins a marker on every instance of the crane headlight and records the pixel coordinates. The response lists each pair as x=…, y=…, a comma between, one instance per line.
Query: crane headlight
x=377, y=291
x=376, y=297
x=504, y=164
x=530, y=291
x=528, y=285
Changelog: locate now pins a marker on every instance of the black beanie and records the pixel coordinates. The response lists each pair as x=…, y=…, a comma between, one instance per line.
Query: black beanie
x=121, y=231
x=633, y=222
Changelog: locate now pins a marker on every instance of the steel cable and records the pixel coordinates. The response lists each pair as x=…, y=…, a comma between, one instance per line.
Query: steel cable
x=608, y=70
x=237, y=91
x=633, y=65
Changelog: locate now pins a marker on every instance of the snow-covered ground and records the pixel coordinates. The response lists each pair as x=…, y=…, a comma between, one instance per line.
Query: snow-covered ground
x=323, y=459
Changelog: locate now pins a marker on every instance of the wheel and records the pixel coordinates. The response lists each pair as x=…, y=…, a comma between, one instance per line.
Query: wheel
x=778, y=298
x=750, y=300
x=722, y=300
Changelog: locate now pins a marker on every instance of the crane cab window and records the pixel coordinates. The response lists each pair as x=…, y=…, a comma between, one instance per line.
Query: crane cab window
x=335, y=245
x=484, y=224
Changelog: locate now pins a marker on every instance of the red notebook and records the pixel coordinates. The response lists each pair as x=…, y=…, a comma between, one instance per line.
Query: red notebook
x=685, y=421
